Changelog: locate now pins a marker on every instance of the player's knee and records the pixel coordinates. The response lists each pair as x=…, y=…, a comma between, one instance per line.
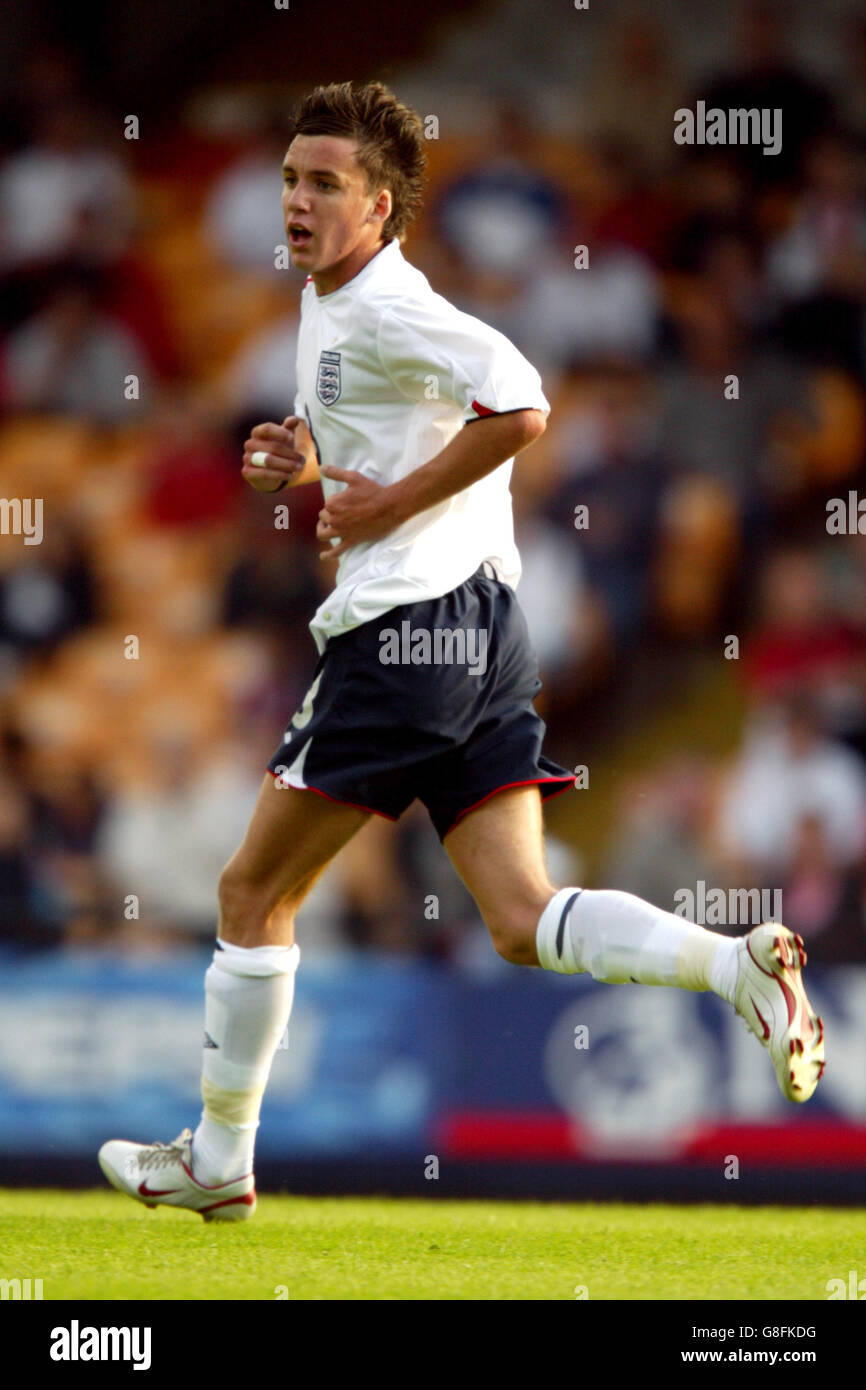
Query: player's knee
x=232, y=892
x=513, y=934
x=244, y=904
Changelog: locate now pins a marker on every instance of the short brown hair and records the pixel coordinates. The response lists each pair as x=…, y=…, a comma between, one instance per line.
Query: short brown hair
x=390, y=140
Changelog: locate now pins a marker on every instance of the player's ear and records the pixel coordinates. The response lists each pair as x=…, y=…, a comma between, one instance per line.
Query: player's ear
x=383, y=207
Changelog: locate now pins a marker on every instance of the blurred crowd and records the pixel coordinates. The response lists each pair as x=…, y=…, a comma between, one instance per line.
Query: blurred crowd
x=698, y=315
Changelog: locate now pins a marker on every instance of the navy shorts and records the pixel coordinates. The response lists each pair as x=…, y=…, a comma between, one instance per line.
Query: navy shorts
x=430, y=700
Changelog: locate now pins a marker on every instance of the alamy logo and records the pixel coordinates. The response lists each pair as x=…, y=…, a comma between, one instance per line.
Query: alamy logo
x=756, y=126
x=738, y=907
x=76, y=1343
x=328, y=381
x=438, y=646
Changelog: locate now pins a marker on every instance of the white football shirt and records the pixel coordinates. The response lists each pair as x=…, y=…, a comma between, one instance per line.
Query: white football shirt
x=388, y=372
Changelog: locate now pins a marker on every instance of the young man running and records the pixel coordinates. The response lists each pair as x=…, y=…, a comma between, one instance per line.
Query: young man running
x=411, y=413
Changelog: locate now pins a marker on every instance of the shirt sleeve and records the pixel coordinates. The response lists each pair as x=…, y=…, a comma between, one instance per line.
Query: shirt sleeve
x=433, y=353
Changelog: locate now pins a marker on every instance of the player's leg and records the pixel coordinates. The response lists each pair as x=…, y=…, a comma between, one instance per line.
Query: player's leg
x=498, y=851
x=249, y=988
x=291, y=838
x=618, y=937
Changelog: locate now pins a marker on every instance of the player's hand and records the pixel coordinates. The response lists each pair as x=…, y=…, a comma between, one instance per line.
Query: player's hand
x=284, y=463
x=363, y=511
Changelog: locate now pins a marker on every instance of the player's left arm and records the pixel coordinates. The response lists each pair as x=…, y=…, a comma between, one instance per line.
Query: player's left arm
x=366, y=511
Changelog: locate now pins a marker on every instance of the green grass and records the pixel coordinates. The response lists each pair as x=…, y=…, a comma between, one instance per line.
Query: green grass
x=102, y=1246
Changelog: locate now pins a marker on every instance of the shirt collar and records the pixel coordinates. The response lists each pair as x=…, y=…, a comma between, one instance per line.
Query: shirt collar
x=383, y=261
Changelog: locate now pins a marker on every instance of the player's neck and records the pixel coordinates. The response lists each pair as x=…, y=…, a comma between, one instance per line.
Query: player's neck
x=339, y=274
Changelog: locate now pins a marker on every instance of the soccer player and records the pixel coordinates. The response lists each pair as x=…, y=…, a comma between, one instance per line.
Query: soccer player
x=411, y=413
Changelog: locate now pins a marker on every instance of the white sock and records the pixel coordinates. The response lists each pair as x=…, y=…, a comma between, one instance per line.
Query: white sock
x=618, y=937
x=248, y=999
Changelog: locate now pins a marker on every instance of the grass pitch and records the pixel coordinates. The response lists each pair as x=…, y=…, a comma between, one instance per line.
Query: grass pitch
x=101, y=1245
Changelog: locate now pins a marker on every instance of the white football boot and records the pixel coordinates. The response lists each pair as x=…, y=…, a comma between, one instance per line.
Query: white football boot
x=161, y=1175
x=770, y=997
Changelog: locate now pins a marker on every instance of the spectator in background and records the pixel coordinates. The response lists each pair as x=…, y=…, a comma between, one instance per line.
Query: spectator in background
x=500, y=215
x=787, y=772
x=276, y=576
x=713, y=202
x=380, y=911
x=48, y=594
x=826, y=236
x=72, y=894
x=825, y=904
x=661, y=842
x=846, y=580
x=67, y=812
x=260, y=384
x=192, y=477
x=817, y=264
x=19, y=920
x=66, y=210
x=59, y=189
x=633, y=212
x=50, y=885
x=634, y=92
x=765, y=76
x=800, y=642
x=703, y=430
x=729, y=271
x=242, y=217
x=602, y=311
x=563, y=631
x=73, y=359
x=606, y=464
x=164, y=838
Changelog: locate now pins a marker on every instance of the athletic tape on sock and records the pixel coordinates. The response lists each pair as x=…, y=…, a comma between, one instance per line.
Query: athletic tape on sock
x=237, y=1110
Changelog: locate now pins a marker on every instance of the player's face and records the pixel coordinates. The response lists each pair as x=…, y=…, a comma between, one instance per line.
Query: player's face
x=333, y=222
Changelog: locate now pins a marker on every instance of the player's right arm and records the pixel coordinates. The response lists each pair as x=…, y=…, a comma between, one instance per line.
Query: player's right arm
x=291, y=456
